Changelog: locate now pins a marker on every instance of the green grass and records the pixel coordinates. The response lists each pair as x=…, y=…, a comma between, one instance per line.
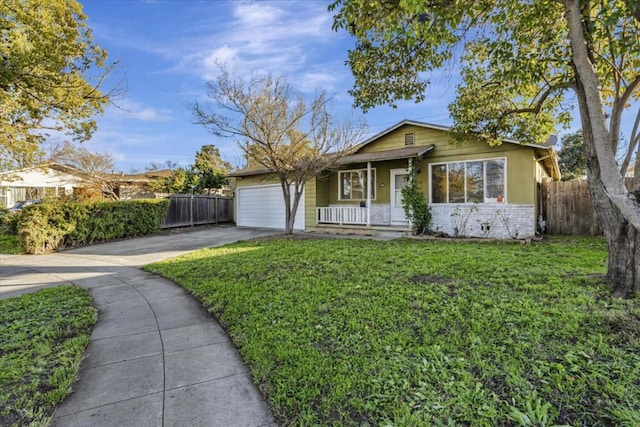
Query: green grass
x=9, y=244
x=42, y=340
x=416, y=333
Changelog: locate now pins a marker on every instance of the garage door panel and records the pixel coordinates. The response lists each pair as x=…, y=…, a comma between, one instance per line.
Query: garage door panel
x=263, y=206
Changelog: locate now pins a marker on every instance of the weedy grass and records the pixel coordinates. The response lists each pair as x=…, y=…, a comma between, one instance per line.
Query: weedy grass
x=42, y=340
x=414, y=333
x=9, y=244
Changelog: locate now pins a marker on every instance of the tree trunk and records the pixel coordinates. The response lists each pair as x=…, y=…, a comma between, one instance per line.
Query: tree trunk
x=288, y=218
x=623, y=240
x=618, y=213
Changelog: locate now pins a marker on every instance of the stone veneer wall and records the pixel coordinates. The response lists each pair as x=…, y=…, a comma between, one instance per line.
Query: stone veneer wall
x=502, y=221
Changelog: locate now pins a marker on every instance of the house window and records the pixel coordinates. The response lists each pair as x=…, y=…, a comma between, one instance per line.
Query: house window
x=481, y=181
x=353, y=184
x=408, y=138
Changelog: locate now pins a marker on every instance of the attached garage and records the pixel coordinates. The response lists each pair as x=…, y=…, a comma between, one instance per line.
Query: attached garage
x=263, y=206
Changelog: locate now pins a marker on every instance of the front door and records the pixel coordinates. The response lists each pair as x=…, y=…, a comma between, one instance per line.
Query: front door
x=398, y=181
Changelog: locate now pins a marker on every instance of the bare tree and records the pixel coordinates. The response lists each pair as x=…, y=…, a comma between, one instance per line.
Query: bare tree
x=97, y=168
x=289, y=137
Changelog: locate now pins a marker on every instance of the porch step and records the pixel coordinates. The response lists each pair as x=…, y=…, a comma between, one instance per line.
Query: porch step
x=375, y=231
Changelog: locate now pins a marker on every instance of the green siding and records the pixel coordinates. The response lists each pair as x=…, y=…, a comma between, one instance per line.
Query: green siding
x=521, y=167
x=383, y=186
x=310, y=203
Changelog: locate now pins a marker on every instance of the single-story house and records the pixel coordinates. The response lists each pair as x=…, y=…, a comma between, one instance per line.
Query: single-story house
x=58, y=180
x=472, y=189
x=50, y=180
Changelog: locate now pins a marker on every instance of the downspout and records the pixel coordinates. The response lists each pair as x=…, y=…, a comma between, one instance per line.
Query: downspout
x=368, y=194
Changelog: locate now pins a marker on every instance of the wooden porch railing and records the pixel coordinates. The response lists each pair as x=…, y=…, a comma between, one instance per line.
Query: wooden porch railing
x=341, y=215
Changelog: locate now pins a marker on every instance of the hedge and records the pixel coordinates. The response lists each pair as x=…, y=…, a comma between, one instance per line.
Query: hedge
x=55, y=225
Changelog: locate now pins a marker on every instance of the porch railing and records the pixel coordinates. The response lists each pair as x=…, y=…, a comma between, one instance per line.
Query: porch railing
x=341, y=215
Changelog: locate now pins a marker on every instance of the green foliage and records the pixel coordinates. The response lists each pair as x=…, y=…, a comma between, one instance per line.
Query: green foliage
x=572, y=158
x=42, y=340
x=206, y=174
x=515, y=73
x=420, y=333
x=8, y=222
x=211, y=168
x=415, y=204
x=181, y=181
x=47, y=54
x=54, y=225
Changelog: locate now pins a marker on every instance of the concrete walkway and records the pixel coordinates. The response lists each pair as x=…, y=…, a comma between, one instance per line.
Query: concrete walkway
x=156, y=357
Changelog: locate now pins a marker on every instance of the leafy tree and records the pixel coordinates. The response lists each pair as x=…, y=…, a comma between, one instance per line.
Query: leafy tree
x=51, y=76
x=206, y=174
x=211, y=168
x=182, y=180
x=572, y=160
x=520, y=61
x=97, y=167
x=293, y=139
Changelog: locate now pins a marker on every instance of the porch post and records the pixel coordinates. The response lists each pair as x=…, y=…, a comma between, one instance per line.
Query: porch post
x=368, y=194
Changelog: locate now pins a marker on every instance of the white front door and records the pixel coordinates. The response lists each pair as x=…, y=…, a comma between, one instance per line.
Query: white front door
x=398, y=181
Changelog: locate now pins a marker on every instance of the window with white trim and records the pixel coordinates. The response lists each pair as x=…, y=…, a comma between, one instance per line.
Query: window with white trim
x=476, y=181
x=353, y=184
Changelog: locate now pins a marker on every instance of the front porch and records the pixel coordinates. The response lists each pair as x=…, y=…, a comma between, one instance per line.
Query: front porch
x=376, y=215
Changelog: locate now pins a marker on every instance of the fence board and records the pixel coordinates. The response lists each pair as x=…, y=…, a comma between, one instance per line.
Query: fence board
x=187, y=209
x=568, y=209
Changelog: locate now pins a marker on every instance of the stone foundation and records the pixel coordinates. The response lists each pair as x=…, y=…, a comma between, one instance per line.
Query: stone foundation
x=501, y=221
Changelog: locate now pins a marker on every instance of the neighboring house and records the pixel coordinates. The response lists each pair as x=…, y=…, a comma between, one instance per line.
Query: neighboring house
x=56, y=180
x=51, y=180
x=482, y=190
x=138, y=185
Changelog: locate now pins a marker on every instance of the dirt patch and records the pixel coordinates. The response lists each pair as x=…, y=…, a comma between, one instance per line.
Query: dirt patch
x=427, y=280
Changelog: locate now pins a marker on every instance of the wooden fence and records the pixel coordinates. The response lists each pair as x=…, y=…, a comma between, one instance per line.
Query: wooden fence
x=567, y=209
x=187, y=209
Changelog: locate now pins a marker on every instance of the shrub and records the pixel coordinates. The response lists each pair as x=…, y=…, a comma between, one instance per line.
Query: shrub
x=415, y=205
x=54, y=225
x=8, y=222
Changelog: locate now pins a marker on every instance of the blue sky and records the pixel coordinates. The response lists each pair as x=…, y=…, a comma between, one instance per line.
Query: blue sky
x=167, y=51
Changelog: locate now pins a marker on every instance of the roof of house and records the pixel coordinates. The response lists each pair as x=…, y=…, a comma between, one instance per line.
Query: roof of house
x=249, y=171
x=52, y=165
x=141, y=177
x=399, y=153
x=545, y=153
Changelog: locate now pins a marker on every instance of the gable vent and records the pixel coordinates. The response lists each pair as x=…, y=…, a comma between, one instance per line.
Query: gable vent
x=408, y=139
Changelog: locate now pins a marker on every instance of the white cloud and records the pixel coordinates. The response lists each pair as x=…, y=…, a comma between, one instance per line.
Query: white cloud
x=133, y=110
x=251, y=13
x=262, y=37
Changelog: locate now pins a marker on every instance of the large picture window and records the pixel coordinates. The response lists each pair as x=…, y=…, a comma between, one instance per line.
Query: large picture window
x=353, y=184
x=481, y=181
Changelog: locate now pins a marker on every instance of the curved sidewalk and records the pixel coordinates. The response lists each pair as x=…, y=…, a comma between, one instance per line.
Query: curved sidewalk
x=156, y=357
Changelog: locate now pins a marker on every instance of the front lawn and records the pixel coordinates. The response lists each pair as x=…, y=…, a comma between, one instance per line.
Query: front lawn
x=413, y=333
x=9, y=244
x=42, y=340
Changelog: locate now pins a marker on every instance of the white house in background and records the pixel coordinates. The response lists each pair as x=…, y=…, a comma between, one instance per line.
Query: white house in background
x=50, y=180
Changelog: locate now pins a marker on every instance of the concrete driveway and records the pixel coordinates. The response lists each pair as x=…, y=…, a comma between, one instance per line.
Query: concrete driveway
x=156, y=357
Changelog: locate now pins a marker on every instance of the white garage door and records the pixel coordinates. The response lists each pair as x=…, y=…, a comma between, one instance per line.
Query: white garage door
x=263, y=206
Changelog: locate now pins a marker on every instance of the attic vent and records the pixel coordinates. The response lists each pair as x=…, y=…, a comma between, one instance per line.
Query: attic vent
x=408, y=139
